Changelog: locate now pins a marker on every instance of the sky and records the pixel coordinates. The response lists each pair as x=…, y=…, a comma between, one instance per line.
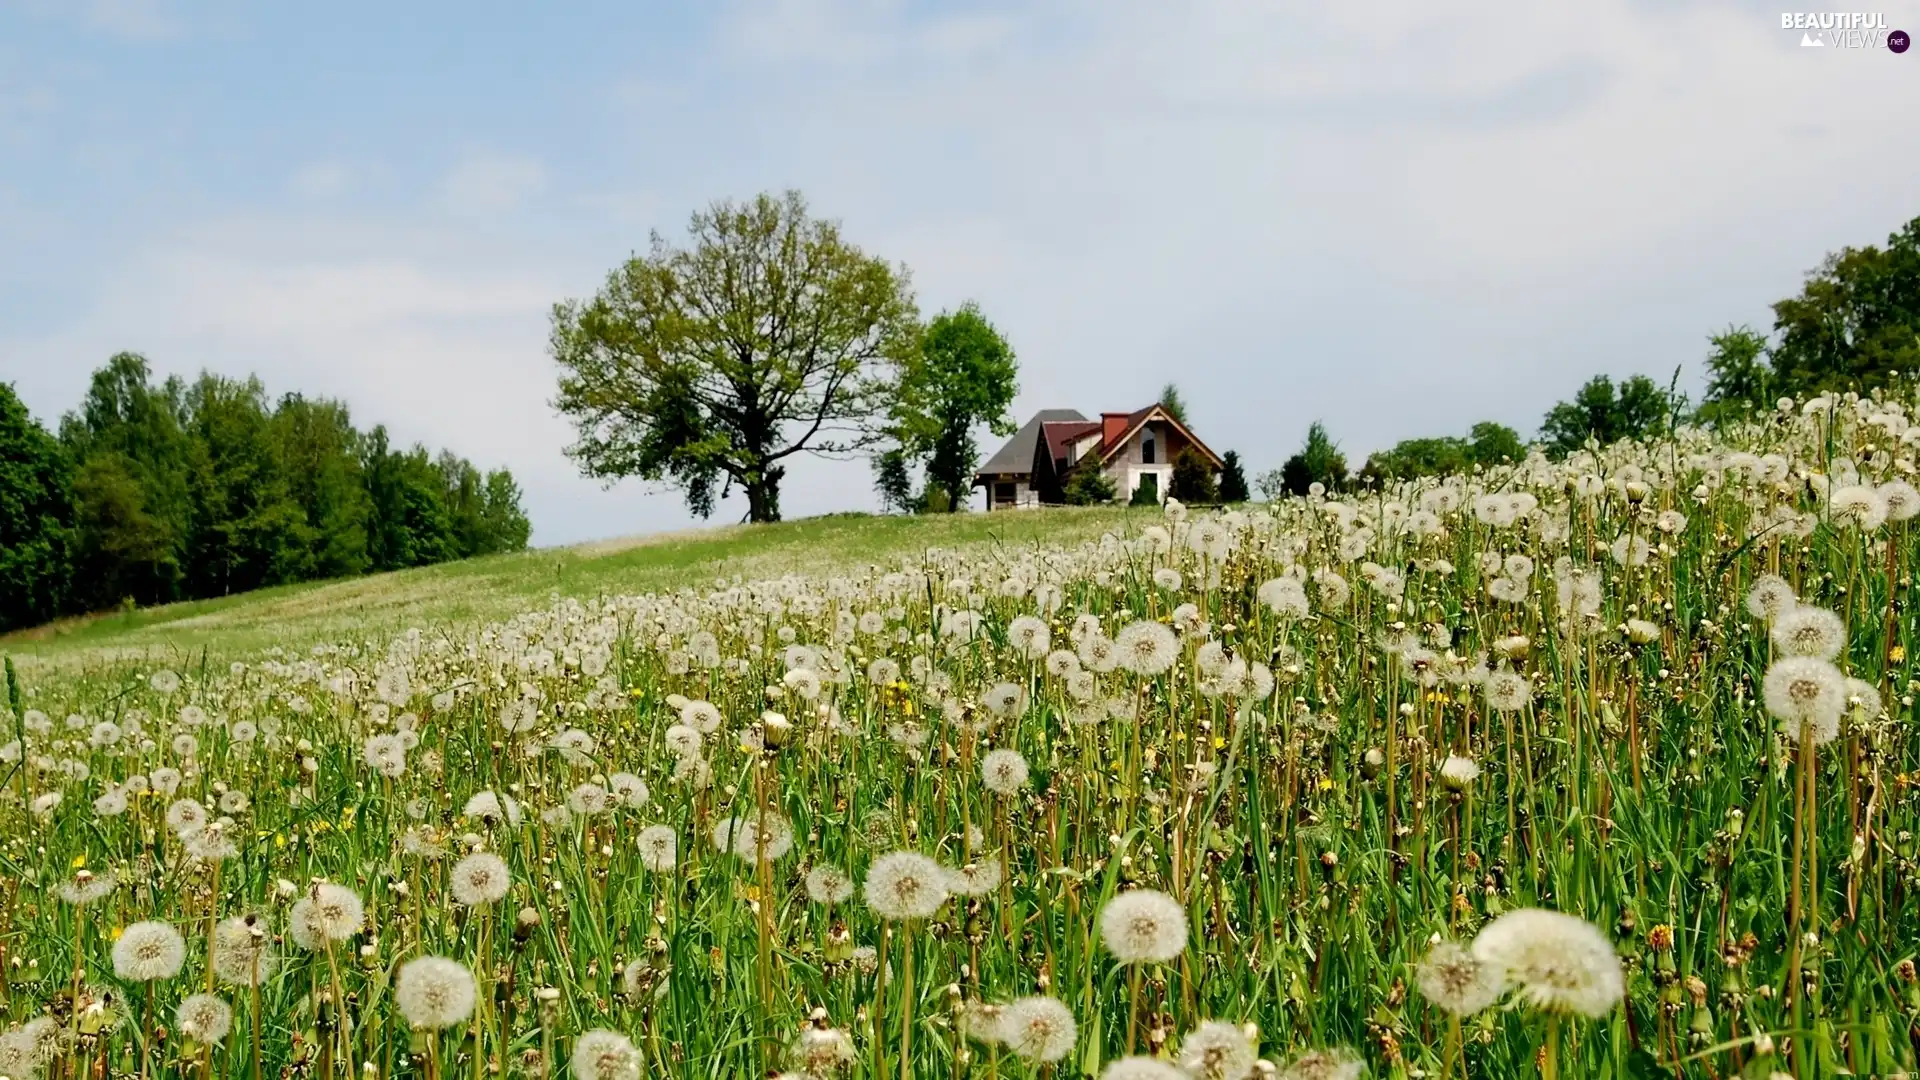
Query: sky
x=1399, y=218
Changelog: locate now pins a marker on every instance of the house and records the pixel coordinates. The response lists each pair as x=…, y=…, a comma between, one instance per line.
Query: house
x=1134, y=450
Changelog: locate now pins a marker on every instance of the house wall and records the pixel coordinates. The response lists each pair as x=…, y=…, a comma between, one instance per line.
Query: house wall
x=1024, y=497
x=1128, y=465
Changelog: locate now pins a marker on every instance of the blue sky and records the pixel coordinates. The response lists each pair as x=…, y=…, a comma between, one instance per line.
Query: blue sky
x=1400, y=218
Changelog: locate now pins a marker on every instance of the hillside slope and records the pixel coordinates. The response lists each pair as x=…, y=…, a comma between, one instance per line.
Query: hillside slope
x=460, y=593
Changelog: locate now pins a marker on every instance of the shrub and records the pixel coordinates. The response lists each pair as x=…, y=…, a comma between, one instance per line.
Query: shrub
x=1087, y=486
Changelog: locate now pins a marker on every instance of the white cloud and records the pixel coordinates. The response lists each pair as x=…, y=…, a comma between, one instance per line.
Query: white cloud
x=148, y=20
x=321, y=180
x=492, y=184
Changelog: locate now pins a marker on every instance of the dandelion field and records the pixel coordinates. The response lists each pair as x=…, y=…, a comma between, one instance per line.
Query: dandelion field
x=1602, y=767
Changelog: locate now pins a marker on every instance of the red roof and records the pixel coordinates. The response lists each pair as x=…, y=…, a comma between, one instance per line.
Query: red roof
x=1117, y=428
x=1114, y=429
x=1060, y=435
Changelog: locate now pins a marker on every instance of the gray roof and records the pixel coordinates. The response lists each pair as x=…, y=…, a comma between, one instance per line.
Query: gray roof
x=1016, y=458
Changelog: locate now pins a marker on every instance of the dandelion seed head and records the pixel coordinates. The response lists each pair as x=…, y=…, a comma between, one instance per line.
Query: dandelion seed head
x=905, y=885
x=434, y=992
x=1555, y=962
x=1507, y=690
x=328, y=913
x=829, y=885
x=978, y=878
x=204, y=1018
x=659, y=848
x=1143, y=926
x=1456, y=981
x=1145, y=648
x=1039, y=1029
x=1806, y=694
x=1142, y=1068
x=148, y=951
x=1216, y=1050
x=604, y=1055
x=1003, y=772
x=1459, y=772
x=1770, y=597
x=1809, y=631
x=480, y=878
x=243, y=951
x=1338, y=1063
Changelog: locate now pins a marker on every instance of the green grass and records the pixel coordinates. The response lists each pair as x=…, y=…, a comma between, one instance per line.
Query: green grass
x=1523, y=711
x=477, y=590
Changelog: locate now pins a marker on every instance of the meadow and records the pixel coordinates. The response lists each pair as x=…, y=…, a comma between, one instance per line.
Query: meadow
x=1601, y=767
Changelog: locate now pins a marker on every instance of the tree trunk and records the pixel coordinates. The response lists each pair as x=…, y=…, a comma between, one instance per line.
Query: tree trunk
x=763, y=497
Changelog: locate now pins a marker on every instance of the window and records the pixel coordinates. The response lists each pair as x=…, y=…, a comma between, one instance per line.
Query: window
x=1146, y=450
x=1003, y=492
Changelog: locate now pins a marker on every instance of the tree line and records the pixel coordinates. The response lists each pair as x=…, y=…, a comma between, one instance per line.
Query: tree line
x=155, y=492
x=1854, y=325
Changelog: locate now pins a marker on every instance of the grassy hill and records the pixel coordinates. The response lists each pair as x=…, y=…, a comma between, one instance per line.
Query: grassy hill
x=372, y=607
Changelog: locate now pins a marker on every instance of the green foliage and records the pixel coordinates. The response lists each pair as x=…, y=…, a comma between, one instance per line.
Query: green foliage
x=317, y=451
x=1233, y=479
x=157, y=493
x=131, y=491
x=1856, y=321
x=1144, y=495
x=1739, y=379
x=893, y=481
x=1487, y=444
x=246, y=531
x=1272, y=484
x=1410, y=458
x=1319, y=461
x=963, y=375
x=1494, y=444
x=410, y=524
x=767, y=336
x=1171, y=401
x=1193, y=478
x=36, y=517
x=1636, y=409
x=1087, y=485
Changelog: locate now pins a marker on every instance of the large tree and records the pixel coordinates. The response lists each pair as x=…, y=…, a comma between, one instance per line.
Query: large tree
x=1319, y=461
x=766, y=336
x=246, y=529
x=132, y=498
x=410, y=524
x=317, y=450
x=1173, y=403
x=962, y=376
x=1601, y=411
x=1856, y=321
x=1233, y=479
x=36, y=517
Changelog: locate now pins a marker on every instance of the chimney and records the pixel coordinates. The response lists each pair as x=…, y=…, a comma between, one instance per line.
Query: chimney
x=1112, y=426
